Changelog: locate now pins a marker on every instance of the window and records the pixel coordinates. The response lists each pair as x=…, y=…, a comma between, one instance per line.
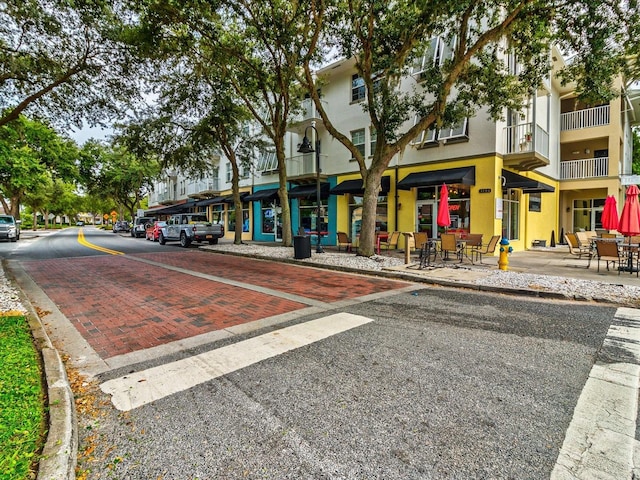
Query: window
x=425, y=137
x=511, y=215
x=357, y=137
x=373, y=138
x=308, y=215
x=231, y=219
x=535, y=202
x=457, y=131
x=357, y=88
x=438, y=51
x=355, y=215
x=229, y=173
x=587, y=214
x=267, y=162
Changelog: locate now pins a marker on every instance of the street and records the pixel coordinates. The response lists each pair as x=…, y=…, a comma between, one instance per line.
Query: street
x=211, y=366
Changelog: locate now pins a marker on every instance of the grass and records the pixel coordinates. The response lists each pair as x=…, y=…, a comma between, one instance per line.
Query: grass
x=22, y=398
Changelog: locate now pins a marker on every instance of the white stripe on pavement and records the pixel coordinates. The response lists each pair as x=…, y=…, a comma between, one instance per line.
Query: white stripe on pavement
x=600, y=440
x=140, y=388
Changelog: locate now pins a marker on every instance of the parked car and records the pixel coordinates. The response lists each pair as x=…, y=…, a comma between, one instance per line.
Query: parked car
x=121, y=226
x=80, y=223
x=153, y=232
x=9, y=228
x=140, y=225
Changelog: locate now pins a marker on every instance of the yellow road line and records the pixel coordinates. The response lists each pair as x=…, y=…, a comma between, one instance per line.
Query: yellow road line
x=82, y=241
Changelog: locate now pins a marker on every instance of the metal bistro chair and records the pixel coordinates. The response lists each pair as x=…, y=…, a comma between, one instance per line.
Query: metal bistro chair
x=473, y=240
x=449, y=244
x=344, y=240
x=608, y=251
x=486, y=249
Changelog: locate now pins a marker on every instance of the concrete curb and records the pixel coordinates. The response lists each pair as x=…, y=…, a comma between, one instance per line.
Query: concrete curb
x=59, y=455
x=523, y=292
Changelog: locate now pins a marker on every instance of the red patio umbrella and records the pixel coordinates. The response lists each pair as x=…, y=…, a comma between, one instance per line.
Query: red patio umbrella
x=444, y=219
x=630, y=217
x=609, y=217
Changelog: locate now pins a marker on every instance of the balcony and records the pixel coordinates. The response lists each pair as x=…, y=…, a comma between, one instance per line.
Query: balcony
x=302, y=118
x=303, y=165
x=165, y=197
x=203, y=188
x=586, y=118
x=584, y=168
x=526, y=147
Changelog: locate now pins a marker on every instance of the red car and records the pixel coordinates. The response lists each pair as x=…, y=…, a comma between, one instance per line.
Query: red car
x=153, y=232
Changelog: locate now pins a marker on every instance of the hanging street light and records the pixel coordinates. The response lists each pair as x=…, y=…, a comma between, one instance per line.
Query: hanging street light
x=305, y=147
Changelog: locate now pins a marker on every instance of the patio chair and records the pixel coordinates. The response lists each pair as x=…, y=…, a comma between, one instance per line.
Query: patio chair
x=608, y=235
x=472, y=241
x=344, y=241
x=486, y=249
x=584, y=240
x=391, y=242
x=449, y=244
x=419, y=239
x=608, y=251
x=575, y=248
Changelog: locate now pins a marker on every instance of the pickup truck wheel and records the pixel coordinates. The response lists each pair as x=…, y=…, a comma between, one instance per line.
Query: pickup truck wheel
x=213, y=242
x=161, y=239
x=184, y=241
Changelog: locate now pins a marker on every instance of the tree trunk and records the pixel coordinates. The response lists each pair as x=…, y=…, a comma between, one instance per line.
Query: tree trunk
x=367, y=241
x=285, y=215
x=237, y=205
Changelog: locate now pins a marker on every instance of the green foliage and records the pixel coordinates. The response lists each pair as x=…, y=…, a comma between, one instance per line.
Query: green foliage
x=65, y=61
x=32, y=155
x=21, y=400
x=113, y=172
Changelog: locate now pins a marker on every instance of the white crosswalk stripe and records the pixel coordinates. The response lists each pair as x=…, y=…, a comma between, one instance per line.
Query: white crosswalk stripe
x=140, y=388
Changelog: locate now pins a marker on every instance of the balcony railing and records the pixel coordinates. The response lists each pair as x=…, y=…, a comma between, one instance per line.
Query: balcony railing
x=206, y=185
x=308, y=111
x=164, y=197
x=304, y=164
x=584, y=168
x=589, y=117
x=524, y=138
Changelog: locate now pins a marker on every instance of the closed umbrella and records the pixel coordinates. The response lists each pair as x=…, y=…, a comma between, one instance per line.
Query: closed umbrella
x=609, y=217
x=630, y=218
x=444, y=219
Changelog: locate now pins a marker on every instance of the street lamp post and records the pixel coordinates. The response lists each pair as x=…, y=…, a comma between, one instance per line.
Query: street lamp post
x=306, y=147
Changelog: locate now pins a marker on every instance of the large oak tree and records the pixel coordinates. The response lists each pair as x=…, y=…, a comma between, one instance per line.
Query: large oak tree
x=387, y=38
x=65, y=61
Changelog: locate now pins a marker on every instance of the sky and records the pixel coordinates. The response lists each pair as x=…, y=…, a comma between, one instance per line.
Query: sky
x=84, y=134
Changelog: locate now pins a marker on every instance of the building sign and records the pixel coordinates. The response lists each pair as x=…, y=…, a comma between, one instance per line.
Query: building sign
x=630, y=179
x=499, y=208
x=484, y=190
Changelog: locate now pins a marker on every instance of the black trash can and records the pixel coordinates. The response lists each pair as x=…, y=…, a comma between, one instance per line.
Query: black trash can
x=301, y=246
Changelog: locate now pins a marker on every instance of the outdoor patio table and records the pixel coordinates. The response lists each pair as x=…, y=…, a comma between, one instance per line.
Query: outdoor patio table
x=632, y=249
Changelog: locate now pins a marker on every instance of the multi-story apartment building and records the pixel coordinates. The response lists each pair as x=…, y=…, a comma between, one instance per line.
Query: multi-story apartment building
x=541, y=171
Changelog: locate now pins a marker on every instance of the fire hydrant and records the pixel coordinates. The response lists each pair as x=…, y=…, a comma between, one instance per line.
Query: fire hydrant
x=505, y=249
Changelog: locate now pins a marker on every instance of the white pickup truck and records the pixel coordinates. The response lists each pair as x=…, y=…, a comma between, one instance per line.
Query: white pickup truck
x=190, y=227
x=9, y=228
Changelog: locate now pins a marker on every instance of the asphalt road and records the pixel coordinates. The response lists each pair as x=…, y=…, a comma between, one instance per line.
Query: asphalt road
x=429, y=383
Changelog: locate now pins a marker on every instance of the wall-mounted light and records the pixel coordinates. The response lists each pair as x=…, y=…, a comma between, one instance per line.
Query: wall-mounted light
x=586, y=150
